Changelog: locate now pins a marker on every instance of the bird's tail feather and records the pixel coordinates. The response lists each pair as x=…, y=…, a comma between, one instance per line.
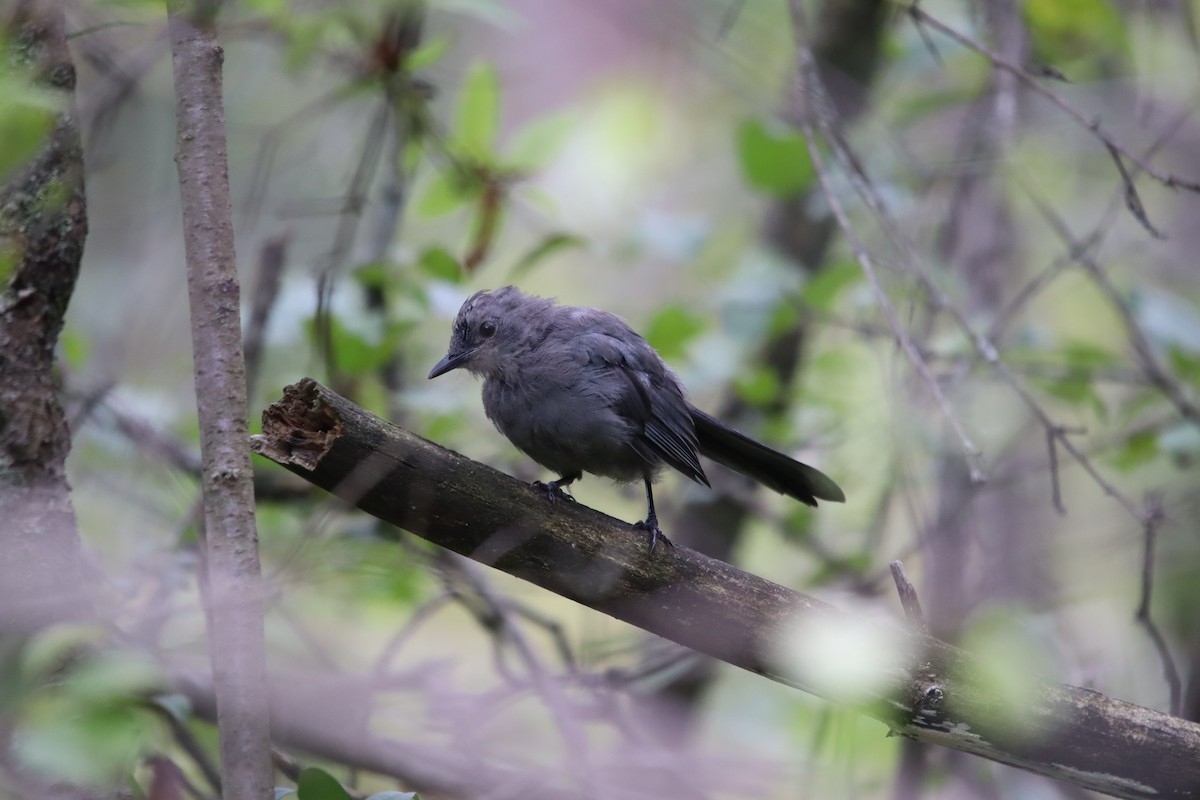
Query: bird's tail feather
x=755, y=460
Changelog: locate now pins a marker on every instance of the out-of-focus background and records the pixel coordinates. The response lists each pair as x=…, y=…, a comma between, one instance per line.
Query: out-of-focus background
x=647, y=158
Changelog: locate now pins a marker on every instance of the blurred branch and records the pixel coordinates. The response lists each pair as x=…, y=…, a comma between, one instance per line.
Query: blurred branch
x=186, y=740
x=1154, y=518
x=269, y=486
x=1081, y=252
x=817, y=119
x=231, y=544
x=848, y=43
x=1118, y=149
x=1081, y=249
x=324, y=719
x=1078, y=736
x=814, y=104
x=272, y=258
x=496, y=614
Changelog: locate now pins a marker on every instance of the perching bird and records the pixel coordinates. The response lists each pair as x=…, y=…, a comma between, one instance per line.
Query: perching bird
x=578, y=391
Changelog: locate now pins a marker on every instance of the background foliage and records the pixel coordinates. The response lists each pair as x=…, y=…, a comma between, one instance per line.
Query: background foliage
x=632, y=157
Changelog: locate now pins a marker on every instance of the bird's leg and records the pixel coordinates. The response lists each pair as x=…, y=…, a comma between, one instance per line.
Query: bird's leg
x=553, y=489
x=651, y=522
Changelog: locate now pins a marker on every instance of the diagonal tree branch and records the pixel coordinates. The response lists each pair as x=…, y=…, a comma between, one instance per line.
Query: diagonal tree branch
x=938, y=695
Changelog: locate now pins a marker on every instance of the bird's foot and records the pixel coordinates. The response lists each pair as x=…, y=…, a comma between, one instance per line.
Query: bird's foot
x=656, y=535
x=553, y=491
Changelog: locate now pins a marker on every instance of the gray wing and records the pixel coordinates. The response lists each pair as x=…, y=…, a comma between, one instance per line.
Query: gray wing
x=644, y=392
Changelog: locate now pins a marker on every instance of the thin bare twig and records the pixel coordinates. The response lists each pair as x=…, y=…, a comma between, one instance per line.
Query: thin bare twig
x=495, y=613
x=814, y=95
x=272, y=258
x=1133, y=200
x=1055, y=485
x=1154, y=517
x=908, y=598
x=811, y=84
x=1155, y=372
x=185, y=739
x=1092, y=124
x=1079, y=249
x=402, y=636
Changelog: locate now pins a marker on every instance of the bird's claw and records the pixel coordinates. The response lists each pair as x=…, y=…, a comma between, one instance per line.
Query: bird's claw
x=553, y=491
x=656, y=535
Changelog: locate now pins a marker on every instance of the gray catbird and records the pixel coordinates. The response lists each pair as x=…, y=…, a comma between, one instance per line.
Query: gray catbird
x=578, y=391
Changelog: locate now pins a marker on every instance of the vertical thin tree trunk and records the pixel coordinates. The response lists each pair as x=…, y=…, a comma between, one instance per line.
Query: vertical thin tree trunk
x=234, y=583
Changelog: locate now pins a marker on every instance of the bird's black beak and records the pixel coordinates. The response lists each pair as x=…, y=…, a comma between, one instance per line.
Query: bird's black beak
x=451, y=361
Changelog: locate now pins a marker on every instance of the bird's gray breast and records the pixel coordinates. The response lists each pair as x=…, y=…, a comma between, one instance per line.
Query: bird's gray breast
x=560, y=409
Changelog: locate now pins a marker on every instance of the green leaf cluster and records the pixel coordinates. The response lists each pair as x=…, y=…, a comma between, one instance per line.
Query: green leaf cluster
x=774, y=159
x=317, y=784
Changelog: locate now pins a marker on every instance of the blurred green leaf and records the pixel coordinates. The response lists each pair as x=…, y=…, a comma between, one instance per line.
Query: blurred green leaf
x=1077, y=391
x=354, y=353
x=447, y=192
x=317, y=784
x=112, y=674
x=1137, y=451
x=76, y=348
x=548, y=246
x=57, y=648
x=1087, y=356
x=401, y=583
x=1070, y=30
x=427, y=54
x=775, y=161
x=87, y=722
x=438, y=263
x=671, y=329
x=1185, y=363
x=270, y=7
x=83, y=744
x=443, y=427
x=10, y=260
x=479, y=112
x=784, y=317
x=539, y=142
x=410, y=158
x=26, y=116
x=303, y=36
x=759, y=388
x=827, y=285
x=375, y=275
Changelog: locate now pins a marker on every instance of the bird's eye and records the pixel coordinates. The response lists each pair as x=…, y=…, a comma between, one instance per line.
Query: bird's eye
x=487, y=329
